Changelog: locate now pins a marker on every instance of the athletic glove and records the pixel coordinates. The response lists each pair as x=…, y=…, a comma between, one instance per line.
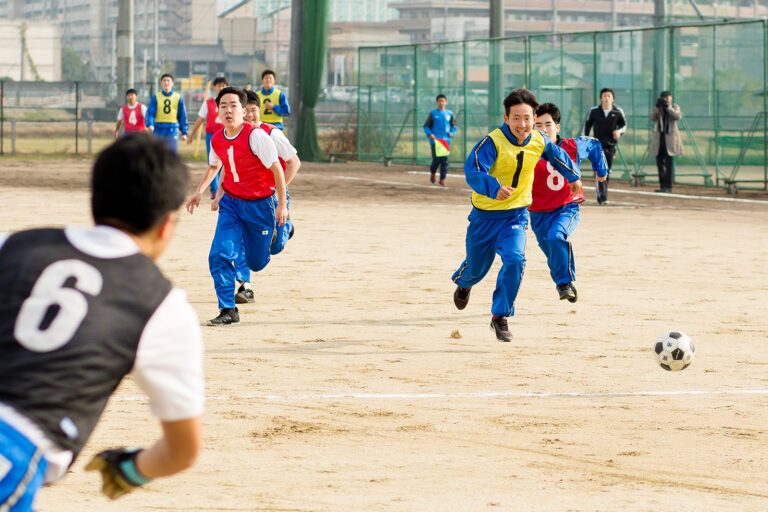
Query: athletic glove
x=118, y=471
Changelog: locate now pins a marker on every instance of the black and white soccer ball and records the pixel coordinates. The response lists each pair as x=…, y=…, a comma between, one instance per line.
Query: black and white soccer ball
x=674, y=351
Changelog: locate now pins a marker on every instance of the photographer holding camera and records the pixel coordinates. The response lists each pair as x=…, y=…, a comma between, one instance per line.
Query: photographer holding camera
x=666, y=142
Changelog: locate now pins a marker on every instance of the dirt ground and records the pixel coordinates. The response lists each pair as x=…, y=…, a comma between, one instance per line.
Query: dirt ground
x=353, y=384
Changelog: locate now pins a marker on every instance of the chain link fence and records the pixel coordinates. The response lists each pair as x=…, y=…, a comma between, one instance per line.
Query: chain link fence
x=717, y=73
x=69, y=118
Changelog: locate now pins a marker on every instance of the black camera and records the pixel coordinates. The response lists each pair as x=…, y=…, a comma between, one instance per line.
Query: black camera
x=661, y=102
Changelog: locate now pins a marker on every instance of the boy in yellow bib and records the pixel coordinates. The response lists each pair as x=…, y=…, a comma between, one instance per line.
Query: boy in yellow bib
x=500, y=172
x=166, y=114
x=274, y=105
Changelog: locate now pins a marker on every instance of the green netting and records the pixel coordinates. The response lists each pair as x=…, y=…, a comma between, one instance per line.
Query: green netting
x=315, y=30
x=716, y=72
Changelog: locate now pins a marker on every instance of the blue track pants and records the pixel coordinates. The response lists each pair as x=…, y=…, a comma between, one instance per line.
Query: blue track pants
x=169, y=132
x=552, y=230
x=490, y=233
x=242, y=271
x=22, y=469
x=247, y=224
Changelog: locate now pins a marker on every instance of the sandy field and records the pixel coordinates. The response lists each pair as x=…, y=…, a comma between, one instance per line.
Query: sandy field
x=353, y=384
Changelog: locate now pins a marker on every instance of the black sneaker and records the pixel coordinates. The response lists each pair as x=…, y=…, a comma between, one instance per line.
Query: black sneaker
x=244, y=296
x=567, y=291
x=227, y=316
x=502, y=328
x=461, y=297
x=575, y=293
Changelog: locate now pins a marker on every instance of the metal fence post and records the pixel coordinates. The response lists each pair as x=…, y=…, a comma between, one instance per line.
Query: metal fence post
x=77, y=115
x=13, y=136
x=465, y=117
x=765, y=108
x=2, y=115
x=415, y=101
x=359, y=74
x=715, y=100
x=90, y=135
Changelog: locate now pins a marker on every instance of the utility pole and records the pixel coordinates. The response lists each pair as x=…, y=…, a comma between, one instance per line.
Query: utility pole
x=554, y=16
x=23, y=47
x=124, y=46
x=156, y=61
x=496, y=63
x=660, y=47
x=294, y=75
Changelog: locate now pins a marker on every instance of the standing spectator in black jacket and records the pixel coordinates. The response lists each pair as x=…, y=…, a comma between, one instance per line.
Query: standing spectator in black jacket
x=609, y=123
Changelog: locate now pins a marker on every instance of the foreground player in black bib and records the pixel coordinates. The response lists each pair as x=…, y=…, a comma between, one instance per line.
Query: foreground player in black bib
x=80, y=308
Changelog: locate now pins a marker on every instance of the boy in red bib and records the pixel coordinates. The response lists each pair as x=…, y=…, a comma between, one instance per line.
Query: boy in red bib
x=289, y=161
x=209, y=114
x=555, y=208
x=132, y=114
x=253, y=203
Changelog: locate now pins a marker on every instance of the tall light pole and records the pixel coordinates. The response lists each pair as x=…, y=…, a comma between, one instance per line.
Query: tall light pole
x=496, y=64
x=124, y=45
x=156, y=58
x=660, y=47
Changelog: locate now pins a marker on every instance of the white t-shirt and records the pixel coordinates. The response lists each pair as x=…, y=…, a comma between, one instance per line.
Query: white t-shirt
x=143, y=111
x=285, y=149
x=260, y=143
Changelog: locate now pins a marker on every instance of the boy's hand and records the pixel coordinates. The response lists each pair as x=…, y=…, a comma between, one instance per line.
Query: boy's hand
x=119, y=475
x=504, y=193
x=575, y=187
x=194, y=202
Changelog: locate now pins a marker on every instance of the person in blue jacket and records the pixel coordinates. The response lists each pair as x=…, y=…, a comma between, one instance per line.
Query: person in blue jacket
x=440, y=126
x=166, y=114
x=500, y=170
x=274, y=105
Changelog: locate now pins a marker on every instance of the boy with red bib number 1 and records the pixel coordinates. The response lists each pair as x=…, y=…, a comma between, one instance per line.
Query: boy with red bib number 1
x=253, y=205
x=555, y=208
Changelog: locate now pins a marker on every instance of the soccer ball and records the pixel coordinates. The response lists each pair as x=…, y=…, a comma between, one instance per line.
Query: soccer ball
x=674, y=351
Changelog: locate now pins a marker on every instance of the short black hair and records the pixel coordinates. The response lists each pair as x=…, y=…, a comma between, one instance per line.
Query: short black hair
x=441, y=96
x=665, y=94
x=519, y=97
x=233, y=90
x=607, y=89
x=551, y=109
x=136, y=182
x=253, y=98
x=220, y=80
x=131, y=91
x=166, y=75
x=268, y=72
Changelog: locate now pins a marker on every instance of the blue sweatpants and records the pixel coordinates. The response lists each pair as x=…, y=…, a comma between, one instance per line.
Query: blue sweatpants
x=552, y=230
x=22, y=470
x=248, y=224
x=215, y=182
x=242, y=271
x=169, y=133
x=489, y=233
